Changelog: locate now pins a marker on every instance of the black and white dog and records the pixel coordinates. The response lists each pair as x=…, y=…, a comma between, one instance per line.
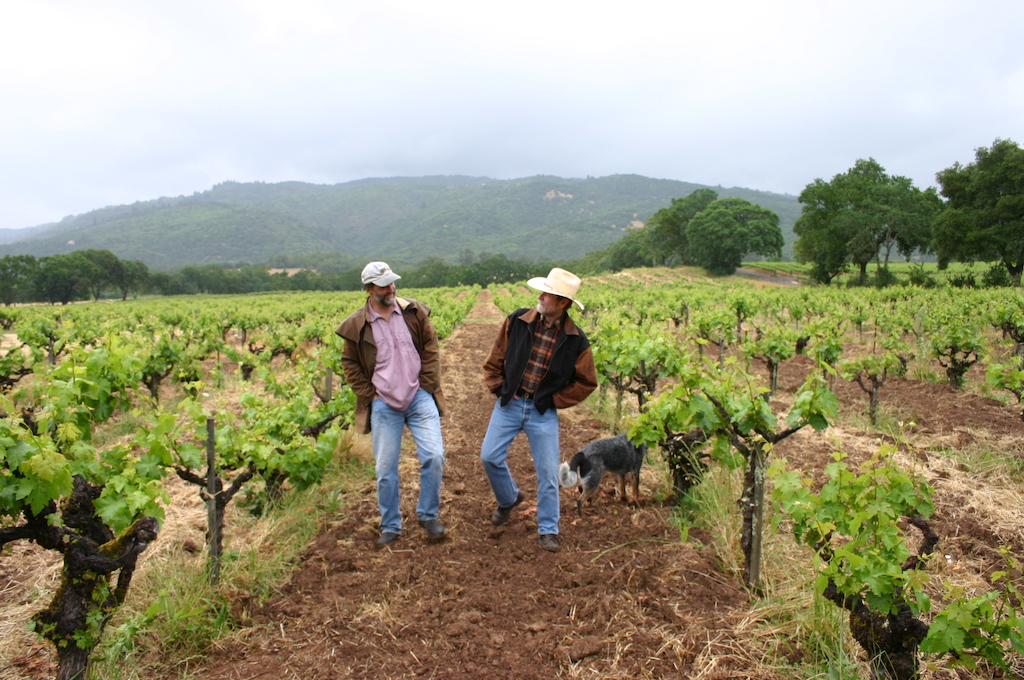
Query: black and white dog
x=615, y=454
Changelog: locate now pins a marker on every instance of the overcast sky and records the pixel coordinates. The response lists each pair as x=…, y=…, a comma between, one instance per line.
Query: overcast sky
x=105, y=102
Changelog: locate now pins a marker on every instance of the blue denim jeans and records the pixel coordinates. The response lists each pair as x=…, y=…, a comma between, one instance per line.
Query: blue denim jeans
x=520, y=415
x=424, y=425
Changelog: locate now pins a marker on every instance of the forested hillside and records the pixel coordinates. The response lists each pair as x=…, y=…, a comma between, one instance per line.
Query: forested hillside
x=402, y=219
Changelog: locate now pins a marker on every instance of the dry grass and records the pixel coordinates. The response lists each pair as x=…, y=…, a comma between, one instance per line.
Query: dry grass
x=30, y=575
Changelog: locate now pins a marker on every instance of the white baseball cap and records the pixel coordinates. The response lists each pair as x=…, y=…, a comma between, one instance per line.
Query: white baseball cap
x=379, y=274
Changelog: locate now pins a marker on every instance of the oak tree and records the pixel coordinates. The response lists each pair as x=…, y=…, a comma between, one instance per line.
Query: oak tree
x=860, y=216
x=984, y=215
x=720, y=235
x=666, y=229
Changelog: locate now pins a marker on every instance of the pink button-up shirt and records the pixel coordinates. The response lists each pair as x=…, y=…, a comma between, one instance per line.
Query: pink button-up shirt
x=396, y=376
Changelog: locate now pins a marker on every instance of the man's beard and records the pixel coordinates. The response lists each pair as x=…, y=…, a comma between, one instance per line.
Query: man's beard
x=549, y=310
x=387, y=299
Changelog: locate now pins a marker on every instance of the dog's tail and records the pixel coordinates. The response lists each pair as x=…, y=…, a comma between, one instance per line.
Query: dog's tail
x=567, y=477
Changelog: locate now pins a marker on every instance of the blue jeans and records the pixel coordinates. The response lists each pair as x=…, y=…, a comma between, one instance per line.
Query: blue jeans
x=424, y=424
x=541, y=430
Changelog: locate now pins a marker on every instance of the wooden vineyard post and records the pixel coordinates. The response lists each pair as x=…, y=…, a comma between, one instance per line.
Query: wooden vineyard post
x=212, y=511
x=755, y=508
x=216, y=497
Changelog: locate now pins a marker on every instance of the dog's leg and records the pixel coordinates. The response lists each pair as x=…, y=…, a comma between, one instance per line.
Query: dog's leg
x=636, y=489
x=585, y=493
x=622, y=488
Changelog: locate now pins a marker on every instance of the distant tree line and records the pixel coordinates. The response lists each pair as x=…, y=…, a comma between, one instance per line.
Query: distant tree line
x=482, y=269
x=64, y=278
x=92, y=274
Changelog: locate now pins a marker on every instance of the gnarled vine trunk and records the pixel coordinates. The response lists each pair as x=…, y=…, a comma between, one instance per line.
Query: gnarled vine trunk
x=84, y=602
x=891, y=640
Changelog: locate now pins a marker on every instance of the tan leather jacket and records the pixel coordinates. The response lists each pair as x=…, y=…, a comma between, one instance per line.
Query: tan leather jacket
x=359, y=356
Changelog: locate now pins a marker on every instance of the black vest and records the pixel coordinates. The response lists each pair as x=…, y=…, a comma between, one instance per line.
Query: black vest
x=561, y=371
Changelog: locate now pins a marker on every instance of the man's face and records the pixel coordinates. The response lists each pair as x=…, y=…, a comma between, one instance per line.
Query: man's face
x=551, y=305
x=384, y=295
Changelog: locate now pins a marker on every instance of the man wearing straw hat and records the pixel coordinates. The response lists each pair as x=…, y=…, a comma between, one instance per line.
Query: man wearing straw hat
x=392, y=361
x=540, y=362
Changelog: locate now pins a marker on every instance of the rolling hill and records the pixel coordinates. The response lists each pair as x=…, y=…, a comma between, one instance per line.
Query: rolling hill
x=403, y=220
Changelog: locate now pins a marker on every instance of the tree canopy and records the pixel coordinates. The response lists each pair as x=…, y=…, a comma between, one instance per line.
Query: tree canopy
x=108, y=269
x=664, y=235
x=860, y=216
x=984, y=215
x=720, y=235
x=16, y=273
x=63, y=278
x=697, y=229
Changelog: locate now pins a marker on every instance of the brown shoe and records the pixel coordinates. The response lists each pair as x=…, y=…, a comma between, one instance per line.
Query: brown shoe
x=501, y=514
x=549, y=542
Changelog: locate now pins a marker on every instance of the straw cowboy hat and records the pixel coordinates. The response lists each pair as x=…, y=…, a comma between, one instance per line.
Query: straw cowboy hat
x=558, y=282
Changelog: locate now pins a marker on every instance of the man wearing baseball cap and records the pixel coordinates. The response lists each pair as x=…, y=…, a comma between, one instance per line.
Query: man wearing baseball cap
x=392, y=361
x=540, y=362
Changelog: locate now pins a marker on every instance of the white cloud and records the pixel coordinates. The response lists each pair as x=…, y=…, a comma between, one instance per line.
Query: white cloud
x=108, y=102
